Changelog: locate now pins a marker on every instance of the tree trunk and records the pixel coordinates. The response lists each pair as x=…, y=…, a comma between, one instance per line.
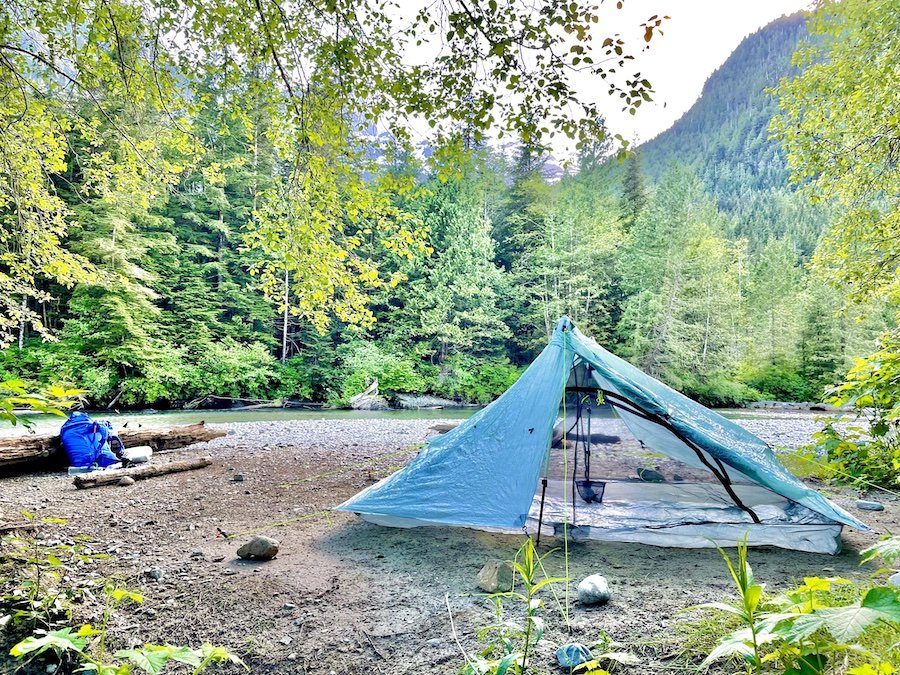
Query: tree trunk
x=284, y=328
x=44, y=451
x=100, y=478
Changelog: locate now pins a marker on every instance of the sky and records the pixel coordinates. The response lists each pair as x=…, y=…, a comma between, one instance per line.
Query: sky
x=697, y=39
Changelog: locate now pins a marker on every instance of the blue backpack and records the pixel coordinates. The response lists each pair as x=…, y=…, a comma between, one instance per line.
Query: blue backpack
x=86, y=441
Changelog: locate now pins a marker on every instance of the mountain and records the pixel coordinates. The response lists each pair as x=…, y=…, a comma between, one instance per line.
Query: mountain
x=728, y=125
x=724, y=138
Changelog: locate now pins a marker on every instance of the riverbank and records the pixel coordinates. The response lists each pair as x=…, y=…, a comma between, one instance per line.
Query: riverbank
x=345, y=597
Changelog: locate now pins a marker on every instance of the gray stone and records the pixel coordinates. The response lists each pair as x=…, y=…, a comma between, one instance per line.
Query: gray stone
x=154, y=573
x=869, y=506
x=369, y=402
x=496, y=577
x=594, y=590
x=435, y=642
x=286, y=640
x=237, y=478
x=894, y=580
x=289, y=607
x=572, y=655
x=651, y=476
x=259, y=548
x=125, y=481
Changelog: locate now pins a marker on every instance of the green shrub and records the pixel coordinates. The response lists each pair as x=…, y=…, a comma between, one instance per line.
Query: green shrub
x=473, y=381
x=365, y=361
x=868, y=452
x=779, y=381
x=719, y=392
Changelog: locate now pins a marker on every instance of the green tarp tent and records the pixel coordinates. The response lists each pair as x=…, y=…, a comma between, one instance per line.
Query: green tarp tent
x=487, y=472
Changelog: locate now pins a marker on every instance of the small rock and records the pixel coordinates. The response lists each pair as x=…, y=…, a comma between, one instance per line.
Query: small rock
x=651, y=476
x=197, y=553
x=237, y=478
x=594, y=590
x=434, y=642
x=154, y=573
x=573, y=655
x=229, y=572
x=894, y=580
x=125, y=481
x=218, y=558
x=289, y=606
x=292, y=656
x=869, y=506
x=259, y=548
x=496, y=577
x=286, y=640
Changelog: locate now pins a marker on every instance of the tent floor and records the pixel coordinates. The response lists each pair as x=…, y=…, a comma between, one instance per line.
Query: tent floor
x=684, y=515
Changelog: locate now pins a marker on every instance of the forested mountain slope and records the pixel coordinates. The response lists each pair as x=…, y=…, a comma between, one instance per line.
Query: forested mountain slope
x=724, y=137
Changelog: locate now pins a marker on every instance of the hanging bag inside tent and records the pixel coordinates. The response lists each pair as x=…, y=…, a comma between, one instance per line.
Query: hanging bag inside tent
x=86, y=442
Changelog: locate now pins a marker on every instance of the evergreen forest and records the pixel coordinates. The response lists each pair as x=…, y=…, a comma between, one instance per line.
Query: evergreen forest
x=212, y=272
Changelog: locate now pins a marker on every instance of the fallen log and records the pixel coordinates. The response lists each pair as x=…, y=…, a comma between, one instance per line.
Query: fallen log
x=37, y=451
x=99, y=478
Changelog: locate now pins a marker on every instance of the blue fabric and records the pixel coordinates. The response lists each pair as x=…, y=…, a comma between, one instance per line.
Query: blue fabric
x=86, y=441
x=484, y=473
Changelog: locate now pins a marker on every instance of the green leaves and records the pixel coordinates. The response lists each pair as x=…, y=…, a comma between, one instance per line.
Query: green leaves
x=152, y=659
x=60, y=641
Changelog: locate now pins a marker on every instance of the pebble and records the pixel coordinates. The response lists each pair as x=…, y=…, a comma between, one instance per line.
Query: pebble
x=572, y=655
x=496, y=577
x=594, y=590
x=154, y=573
x=259, y=548
x=237, y=478
x=286, y=640
x=865, y=505
x=894, y=580
x=435, y=642
x=289, y=606
x=125, y=481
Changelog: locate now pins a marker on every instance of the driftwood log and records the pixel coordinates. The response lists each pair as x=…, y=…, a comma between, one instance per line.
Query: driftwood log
x=100, y=478
x=44, y=451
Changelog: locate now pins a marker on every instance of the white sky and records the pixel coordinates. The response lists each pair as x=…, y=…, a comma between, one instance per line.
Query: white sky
x=698, y=39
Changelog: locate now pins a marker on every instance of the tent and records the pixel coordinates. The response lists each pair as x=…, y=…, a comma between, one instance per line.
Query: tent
x=499, y=471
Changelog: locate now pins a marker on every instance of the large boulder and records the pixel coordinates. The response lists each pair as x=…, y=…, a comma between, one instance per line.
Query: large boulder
x=259, y=548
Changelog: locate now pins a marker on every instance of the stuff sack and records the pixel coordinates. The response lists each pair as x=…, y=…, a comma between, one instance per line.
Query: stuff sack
x=86, y=441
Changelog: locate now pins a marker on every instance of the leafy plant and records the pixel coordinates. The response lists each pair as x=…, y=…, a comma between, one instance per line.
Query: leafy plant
x=811, y=629
x=869, y=454
x=508, y=642
x=16, y=394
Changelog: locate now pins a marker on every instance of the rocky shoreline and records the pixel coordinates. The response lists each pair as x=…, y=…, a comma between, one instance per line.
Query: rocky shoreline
x=787, y=431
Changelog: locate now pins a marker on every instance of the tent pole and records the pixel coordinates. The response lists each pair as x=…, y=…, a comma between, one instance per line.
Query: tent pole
x=541, y=512
x=722, y=476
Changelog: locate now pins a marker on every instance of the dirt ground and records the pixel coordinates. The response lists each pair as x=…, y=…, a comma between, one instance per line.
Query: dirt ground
x=345, y=596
